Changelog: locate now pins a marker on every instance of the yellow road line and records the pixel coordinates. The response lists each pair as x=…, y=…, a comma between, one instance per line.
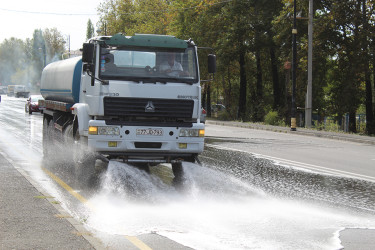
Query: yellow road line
x=134, y=240
x=137, y=242
x=69, y=189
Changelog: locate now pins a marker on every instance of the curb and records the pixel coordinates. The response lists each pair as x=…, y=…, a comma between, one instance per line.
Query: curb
x=300, y=131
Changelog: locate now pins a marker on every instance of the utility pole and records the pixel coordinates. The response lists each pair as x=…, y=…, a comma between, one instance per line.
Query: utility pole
x=308, y=107
x=293, y=120
x=69, y=45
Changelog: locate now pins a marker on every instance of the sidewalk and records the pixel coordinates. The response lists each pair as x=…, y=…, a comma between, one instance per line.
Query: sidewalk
x=31, y=219
x=300, y=131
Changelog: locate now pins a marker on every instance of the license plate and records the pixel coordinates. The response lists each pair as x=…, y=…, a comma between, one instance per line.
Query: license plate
x=150, y=131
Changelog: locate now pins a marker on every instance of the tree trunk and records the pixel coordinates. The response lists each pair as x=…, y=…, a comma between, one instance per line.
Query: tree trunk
x=258, y=107
x=228, y=92
x=209, y=100
x=373, y=82
x=275, y=80
x=243, y=83
x=352, y=122
x=370, y=123
x=204, y=97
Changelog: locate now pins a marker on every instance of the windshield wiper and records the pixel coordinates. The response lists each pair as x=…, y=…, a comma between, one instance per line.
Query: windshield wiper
x=154, y=80
x=174, y=79
x=104, y=82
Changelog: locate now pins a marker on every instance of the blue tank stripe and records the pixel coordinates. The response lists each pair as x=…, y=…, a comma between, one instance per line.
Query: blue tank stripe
x=56, y=90
x=77, y=81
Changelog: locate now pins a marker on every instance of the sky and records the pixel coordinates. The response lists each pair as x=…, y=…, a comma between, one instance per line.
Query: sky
x=19, y=18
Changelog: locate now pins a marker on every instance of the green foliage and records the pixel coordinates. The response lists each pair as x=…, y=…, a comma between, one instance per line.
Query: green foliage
x=138, y=16
x=253, y=40
x=21, y=62
x=272, y=118
x=90, y=31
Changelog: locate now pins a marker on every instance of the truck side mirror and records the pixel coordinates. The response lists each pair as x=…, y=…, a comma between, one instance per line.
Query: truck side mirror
x=211, y=63
x=88, y=53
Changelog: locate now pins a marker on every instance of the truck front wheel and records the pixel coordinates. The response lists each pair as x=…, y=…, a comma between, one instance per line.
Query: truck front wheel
x=86, y=172
x=178, y=172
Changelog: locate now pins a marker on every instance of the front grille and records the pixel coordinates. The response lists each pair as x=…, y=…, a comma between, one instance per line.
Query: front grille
x=126, y=108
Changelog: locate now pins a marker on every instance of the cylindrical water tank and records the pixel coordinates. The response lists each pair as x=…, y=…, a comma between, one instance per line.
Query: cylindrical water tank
x=61, y=80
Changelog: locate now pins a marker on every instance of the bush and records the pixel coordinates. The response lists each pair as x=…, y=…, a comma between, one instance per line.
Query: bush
x=272, y=118
x=225, y=115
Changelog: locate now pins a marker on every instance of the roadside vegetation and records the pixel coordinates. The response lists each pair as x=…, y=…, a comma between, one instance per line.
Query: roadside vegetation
x=253, y=40
x=253, y=44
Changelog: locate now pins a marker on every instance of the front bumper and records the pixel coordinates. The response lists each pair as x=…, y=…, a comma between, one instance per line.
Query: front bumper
x=34, y=108
x=130, y=146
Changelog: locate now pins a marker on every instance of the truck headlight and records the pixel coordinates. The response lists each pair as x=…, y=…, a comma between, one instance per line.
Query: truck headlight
x=191, y=132
x=104, y=130
x=93, y=130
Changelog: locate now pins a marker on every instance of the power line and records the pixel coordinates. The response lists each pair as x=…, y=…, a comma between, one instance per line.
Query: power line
x=126, y=13
x=48, y=13
x=172, y=10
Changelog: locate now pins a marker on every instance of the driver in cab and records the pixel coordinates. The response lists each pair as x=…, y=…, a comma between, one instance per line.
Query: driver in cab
x=171, y=67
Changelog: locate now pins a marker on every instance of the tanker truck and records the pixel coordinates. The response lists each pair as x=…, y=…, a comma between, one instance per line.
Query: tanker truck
x=132, y=98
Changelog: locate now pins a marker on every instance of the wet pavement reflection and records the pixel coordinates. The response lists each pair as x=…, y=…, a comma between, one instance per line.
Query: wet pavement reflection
x=290, y=183
x=234, y=200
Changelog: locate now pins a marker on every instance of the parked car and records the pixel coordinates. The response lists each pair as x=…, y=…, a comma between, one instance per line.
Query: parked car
x=203, y=115
x=217, y=107
x=32, y=104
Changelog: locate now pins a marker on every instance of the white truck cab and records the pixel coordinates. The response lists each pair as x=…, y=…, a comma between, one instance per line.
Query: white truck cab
x=135, y=98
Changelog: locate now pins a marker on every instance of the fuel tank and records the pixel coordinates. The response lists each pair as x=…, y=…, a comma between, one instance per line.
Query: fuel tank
x=61, y=80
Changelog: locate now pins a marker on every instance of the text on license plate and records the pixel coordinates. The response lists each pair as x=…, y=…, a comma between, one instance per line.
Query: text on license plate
x=149, y=131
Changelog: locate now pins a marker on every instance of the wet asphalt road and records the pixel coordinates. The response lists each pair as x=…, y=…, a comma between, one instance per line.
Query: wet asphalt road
x=256, y=189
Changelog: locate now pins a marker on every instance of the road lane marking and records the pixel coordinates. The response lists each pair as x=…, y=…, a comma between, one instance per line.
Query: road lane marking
x=69, y=189
x=95, y=242
x=137, y=242
x=132, y=239
x=302, y=165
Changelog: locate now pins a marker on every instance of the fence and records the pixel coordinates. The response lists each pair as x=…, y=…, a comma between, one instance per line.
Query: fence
x=331, y=124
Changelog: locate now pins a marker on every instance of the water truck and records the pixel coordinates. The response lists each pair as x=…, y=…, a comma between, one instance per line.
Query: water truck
x=132, y=98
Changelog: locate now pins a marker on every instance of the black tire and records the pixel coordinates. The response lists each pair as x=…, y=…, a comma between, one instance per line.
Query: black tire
x=86, y=173
x=85, y=170
x=178, y=171
x=179, y=180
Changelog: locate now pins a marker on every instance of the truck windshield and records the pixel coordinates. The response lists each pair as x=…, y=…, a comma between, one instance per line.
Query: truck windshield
x=149, y=66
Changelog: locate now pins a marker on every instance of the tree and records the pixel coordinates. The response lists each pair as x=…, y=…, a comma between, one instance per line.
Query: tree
x=138, y=16
x=367, y=13
x=21, y=62
x=252, y=40
x=55, y=44
x=90, y=31
x=12, y=62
